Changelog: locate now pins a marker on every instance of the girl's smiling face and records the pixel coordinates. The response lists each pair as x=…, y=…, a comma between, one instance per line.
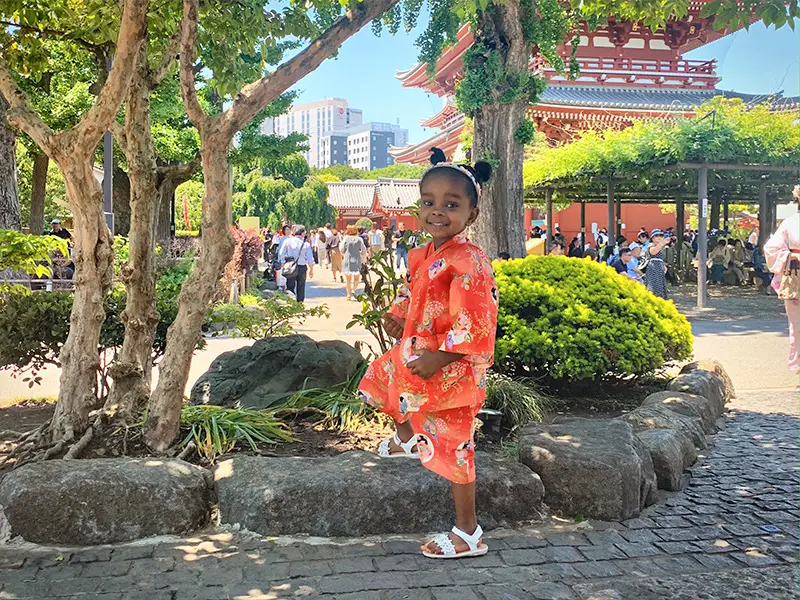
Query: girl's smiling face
x=446, y=205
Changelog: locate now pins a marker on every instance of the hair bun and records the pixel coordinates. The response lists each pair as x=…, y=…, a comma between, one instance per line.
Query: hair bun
x=483, y=170
x=437, y=156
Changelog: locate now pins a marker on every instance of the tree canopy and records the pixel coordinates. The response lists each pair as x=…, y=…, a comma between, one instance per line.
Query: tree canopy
x=643, y=157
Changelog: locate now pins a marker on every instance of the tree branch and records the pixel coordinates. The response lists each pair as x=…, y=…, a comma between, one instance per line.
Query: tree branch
x=131, y=36
x=21, y=115
x=118, y=133
x=254, y=97
x=156, y=75
x=181, y=171
x=188, y=30
x=63, y=35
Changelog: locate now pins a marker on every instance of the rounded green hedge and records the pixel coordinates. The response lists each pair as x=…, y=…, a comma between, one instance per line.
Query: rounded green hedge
x=569, y=319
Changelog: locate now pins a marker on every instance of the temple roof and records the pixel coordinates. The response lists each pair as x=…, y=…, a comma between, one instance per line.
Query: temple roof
x=366, y=195
x=653, y=99
x=353, y=194
x=397, y=194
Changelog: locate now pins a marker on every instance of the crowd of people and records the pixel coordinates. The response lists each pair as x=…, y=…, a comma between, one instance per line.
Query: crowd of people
x=730, y=261
x=341, y=254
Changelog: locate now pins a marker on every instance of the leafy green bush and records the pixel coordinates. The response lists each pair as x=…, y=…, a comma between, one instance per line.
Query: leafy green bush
x=34, y=326
x=568, y=319
x=364, y=223
x=30, y=253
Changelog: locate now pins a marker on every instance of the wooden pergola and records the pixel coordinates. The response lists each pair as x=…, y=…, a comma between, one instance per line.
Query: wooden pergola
x=759, y=186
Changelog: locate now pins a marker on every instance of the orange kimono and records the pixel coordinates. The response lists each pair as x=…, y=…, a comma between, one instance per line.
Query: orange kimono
x=450, y=304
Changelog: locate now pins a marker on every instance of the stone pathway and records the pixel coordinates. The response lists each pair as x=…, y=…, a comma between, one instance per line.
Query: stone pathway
x=732, y=533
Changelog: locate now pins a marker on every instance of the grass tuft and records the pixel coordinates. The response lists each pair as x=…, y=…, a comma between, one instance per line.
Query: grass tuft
x=520, y=400
x=216, y=430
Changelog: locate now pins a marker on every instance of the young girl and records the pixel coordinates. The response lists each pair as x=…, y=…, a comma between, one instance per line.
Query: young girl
x=432, y=383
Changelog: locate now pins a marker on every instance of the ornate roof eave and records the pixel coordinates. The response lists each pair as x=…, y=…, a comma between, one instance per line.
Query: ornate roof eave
x=447, y=139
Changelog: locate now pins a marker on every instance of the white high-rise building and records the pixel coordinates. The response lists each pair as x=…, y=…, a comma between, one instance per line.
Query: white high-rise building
x=315, y=120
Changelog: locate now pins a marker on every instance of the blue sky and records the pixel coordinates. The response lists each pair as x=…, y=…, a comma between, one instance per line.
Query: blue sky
x=758, y=61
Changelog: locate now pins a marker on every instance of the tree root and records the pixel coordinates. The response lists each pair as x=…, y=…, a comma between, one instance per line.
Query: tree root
x=79, y=446
x=190, y=447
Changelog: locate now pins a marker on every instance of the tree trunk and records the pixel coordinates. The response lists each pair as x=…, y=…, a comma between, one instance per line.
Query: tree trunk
x=10, y=216
x=197, y=292
x=501, y=224
x=93, y=257
x=132, y=368
x=121, y=194
x=164, y=217
x=41, y=162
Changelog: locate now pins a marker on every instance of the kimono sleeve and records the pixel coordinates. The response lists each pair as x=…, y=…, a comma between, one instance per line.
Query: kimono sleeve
x=776, y=250
x=473, y=312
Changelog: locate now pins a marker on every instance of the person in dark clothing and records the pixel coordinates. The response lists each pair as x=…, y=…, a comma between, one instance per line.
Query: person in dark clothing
x=57, y=230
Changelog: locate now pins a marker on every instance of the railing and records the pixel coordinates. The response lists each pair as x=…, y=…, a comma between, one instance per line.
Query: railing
x=600, y=68
x=42, y=285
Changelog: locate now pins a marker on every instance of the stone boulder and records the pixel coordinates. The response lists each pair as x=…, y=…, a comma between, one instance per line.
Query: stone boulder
x=672, y=452
x=658, y=417
x=105, y=501
x=690, y=405
x=358, y=494
x=595, y=468
x=702, y=383
x=272, y=369
x=713, y=366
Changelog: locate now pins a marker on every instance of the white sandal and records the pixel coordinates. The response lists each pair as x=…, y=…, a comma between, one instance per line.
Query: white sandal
x=476, y=548
x=406, y=447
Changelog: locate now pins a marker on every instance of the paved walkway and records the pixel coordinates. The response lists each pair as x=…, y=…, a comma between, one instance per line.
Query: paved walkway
x=733, y=533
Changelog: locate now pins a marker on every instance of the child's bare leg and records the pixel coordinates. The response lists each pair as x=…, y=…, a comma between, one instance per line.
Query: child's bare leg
x=466, y=517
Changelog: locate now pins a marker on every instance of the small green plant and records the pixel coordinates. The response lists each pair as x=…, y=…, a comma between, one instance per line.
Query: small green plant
x=216, y=430
x=365, y=223
x=257, y=318
x=338, y=406
x=381, y=283
x=520, y=400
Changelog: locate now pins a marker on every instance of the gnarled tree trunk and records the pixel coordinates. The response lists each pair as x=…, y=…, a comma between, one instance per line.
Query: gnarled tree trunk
x=93, y=255
x=500, y=226
x=41, y=162
x=10, y=216
x=132, y=367
x=196, y=294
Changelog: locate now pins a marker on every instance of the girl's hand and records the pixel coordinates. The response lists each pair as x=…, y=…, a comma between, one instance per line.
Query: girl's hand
x=394, y=325
x=429, y=363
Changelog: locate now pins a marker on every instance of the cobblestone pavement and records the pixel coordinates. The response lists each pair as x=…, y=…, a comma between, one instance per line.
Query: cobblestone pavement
x=732, y=533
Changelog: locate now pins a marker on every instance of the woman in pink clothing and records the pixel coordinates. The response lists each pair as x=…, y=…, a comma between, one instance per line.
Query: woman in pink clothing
x=781, y=249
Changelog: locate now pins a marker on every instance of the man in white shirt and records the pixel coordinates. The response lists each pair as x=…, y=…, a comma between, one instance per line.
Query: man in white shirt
x=298, y=248
x=375, y=240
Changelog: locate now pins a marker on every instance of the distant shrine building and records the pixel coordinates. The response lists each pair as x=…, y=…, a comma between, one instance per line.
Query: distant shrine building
x=627, y=72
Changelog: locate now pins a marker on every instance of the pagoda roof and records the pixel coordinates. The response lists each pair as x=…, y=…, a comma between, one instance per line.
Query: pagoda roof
x=373, y=196
x=447, y=139
x=665, y=100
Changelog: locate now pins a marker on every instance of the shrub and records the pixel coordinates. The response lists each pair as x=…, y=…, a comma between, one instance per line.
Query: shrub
x=568, y=319
x=30, y=253
x=34, y=326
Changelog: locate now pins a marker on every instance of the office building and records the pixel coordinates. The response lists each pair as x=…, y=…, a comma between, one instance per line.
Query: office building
x=364, y=147
x=314, y=119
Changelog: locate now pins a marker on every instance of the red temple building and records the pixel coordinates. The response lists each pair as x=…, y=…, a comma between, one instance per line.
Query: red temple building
x=627, y=71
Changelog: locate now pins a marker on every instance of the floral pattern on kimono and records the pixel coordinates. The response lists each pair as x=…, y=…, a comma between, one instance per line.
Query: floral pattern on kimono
x=449, y=304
